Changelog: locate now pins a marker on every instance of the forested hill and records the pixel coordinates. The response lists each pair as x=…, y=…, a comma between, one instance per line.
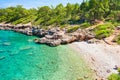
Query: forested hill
x=70, y=14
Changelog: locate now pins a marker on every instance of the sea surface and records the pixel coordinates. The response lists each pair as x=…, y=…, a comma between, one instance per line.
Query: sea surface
x=22, y=59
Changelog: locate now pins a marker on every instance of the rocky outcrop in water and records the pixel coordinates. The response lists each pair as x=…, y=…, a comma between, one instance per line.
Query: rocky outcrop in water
x=51, y=37
x=61, y=37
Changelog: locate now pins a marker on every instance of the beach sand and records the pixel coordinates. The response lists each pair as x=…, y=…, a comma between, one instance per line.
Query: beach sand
x=102, y=58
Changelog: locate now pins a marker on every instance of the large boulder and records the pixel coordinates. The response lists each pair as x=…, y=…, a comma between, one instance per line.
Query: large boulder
x=27, y=31
x=83, y=35
x=41, y=40
x=1, y=28
x=39, y=32
x=49, y=36
x=118, y=27
x=91, y=41
x=53, y=30
x=19, y=26
x=67, y=39
x=58, y=35
x=79, y=36
x=50, y=42
x=54, y=42
x=52, y=39
x=89, y=35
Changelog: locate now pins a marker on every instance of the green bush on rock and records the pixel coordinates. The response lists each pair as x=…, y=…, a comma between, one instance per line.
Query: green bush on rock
x=104, y=30
x=72, y=29
x=114, y=77
x=85, y=25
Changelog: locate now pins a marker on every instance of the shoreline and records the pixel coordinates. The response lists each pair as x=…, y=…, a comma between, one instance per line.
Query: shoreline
x=100, y=57
x=70, y=65
x=52, y=36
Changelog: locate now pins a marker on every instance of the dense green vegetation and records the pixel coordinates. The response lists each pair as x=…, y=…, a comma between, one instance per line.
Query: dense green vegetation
x=85, y=25
x=103, y=31
x=73, y=28
x=87, y=11
x=115, y=76
x=77, y=15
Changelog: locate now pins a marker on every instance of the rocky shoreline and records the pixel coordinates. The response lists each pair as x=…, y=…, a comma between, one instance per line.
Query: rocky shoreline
x=51, y=37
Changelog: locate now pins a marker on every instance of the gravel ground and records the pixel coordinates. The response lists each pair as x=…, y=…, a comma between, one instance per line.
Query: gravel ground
x=101, y=57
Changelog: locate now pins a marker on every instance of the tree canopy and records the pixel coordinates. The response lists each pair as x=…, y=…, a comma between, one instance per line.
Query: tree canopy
x=70, y=14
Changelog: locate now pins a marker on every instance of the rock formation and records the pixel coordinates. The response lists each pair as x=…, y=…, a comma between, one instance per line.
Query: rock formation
x=51, y=37
x=60, y=37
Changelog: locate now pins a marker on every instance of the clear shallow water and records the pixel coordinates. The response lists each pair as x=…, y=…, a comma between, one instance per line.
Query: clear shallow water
x=22, y=59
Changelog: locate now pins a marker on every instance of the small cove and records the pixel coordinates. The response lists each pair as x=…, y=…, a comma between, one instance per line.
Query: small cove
x=22, y=59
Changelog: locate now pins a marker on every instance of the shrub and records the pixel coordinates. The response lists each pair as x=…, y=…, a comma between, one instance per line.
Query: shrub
x=85, y=25
x=72, y=29
x=114, y=77
x=116, y=24
x=64, y=26
x=119, y=70
x=103, y=31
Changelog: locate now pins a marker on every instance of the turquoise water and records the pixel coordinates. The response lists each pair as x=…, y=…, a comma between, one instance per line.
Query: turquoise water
x=22, y=59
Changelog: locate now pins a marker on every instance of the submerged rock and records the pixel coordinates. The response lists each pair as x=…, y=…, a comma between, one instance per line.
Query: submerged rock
x=26, y=48
x=12, y=54
x=55, y=43
x=1, y=51
x=2, y=57
x=30, y=40
x=6, y=43
x=39, y=66
x=30, y=53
